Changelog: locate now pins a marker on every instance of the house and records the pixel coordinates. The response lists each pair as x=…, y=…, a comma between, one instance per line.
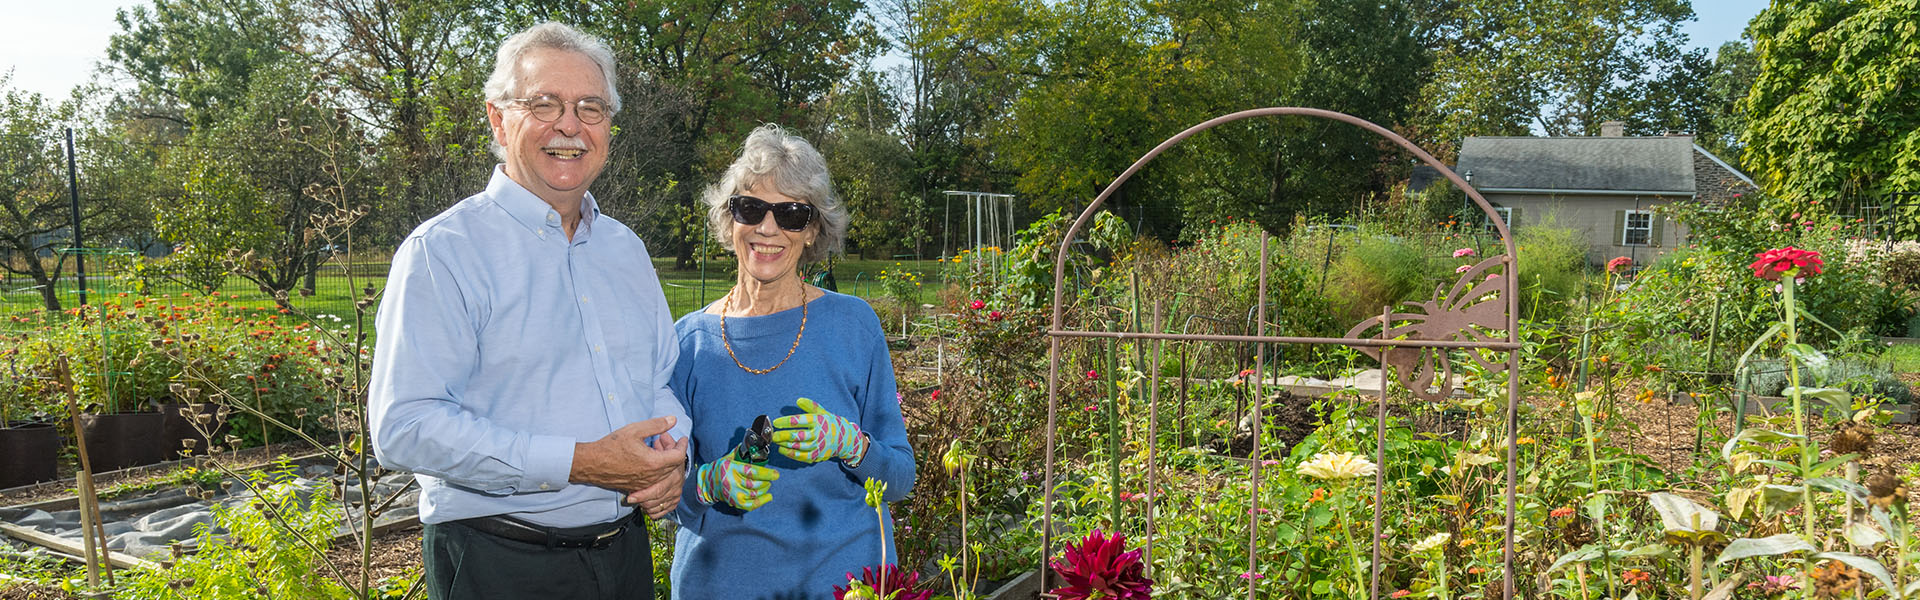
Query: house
x=1605, y=186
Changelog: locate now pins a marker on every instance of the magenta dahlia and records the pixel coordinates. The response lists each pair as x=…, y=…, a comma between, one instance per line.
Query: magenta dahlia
x=899, y=584
x=1102, y=567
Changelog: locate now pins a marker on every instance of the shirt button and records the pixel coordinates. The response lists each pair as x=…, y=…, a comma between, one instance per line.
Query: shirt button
x=544, y=486
x=585, y=299
x=609, y=396
x=598, y=349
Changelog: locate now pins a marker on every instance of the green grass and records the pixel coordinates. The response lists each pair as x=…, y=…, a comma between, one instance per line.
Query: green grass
x=684, y=290
x=1904, y=358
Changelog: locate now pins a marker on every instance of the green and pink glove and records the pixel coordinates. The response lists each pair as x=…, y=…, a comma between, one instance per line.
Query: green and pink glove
x=741, y=484
x=820, y=435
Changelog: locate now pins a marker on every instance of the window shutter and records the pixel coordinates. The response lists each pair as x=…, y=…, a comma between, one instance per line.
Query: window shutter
x=1659, y=223
x=1619, y=228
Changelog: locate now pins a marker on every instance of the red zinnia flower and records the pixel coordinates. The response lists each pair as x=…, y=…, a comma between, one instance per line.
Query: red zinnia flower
x=1775, y=262
x=1098, y=568
x=994, y=316
x=976, y=305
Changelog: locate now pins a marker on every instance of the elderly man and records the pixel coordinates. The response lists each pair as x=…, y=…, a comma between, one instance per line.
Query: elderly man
x=524, y=350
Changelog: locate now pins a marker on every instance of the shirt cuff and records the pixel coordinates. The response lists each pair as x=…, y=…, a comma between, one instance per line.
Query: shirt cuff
x=549, y=463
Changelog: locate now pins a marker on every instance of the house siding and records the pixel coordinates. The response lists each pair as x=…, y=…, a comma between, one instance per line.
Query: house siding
x=1593, y=216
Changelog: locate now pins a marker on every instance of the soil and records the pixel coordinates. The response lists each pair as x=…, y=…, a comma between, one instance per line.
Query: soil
x=33, y=591
x=239, y=460
x=394, y=553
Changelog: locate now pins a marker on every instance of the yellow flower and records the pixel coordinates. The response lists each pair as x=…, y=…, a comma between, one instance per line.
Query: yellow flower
x=1338, y=465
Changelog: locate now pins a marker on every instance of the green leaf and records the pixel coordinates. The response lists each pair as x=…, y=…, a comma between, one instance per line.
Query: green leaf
x=1681, y=514
x=1861, y=534
x=1823, y=468
x=1766, y=546
x=1808, y=356
x=1758, y=437
x=1867, y=565
x=1857, y=491
x=1584, y=554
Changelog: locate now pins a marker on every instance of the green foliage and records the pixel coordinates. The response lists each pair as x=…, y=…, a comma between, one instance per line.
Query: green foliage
x=1553, y=265
x=1829, y=119
x=260, y=554
x=1378, y=271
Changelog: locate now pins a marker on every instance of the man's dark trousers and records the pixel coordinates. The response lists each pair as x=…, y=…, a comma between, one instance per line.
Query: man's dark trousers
x=465, y=564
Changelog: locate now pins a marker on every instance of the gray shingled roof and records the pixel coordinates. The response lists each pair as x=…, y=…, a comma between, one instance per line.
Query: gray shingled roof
x=1655, y=164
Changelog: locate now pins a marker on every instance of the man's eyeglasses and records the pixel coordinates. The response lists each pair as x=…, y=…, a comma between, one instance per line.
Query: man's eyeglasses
x=548, y=108
x=791, y=216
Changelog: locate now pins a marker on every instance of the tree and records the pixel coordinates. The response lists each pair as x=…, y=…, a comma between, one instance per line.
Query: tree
x=1503, y=66
x=1733, y=73
x=253, y=183
x=36, y=205
x=1834, y=113
x=201, y=55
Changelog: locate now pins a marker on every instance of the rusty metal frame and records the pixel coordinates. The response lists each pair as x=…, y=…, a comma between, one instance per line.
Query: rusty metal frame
x=1416, y=343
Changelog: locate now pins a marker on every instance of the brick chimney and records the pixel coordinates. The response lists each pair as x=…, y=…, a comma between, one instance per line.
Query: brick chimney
x=1613, y=128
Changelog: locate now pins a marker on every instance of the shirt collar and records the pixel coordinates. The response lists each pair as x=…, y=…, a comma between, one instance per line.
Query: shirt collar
x=532, y=212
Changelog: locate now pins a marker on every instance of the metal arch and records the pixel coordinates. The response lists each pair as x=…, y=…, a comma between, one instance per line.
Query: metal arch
x=1509, y=289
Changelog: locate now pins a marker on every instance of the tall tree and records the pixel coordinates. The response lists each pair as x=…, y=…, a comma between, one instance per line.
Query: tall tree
x=1834, y=113
x=1734, y=70
x=201, y=55
x=1504, y=66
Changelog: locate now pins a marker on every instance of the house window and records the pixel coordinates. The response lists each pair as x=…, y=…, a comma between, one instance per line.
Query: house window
x=1637, y=228
x=1506, y=214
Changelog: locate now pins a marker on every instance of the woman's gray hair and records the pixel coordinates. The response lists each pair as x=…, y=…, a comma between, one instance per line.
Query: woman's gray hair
x=504, y=84
x=773, y=158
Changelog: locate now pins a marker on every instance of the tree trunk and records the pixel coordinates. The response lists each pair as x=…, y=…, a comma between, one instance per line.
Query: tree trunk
x=49, y=291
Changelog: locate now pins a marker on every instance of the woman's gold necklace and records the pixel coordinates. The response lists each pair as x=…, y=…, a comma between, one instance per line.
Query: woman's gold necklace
x=728, y=307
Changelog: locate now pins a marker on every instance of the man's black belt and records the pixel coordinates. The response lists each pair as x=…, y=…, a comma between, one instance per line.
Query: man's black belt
x=591, y=536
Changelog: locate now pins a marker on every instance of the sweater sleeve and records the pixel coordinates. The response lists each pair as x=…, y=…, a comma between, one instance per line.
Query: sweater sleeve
x=889, y=456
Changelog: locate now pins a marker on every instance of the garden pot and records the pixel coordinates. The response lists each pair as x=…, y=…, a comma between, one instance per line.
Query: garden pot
x=29, y=453
x=176, y=425
x=120, y=440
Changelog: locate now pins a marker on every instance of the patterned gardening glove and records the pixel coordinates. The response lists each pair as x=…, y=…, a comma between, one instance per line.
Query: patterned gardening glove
x=819, y=435
x=743, y=485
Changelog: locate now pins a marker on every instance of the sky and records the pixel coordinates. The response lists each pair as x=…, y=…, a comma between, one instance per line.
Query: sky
x=52, y=46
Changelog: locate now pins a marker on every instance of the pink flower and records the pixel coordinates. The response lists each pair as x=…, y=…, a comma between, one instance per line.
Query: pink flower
x=1463, y=268
x=1465, y=252
x=1400, y=594
x=976, y=305
x=1092, y=407
x=1250, y=575
x=1778, y=261
x=890, y=578
x=1257, y=511
x=1099, y=568
x=994, y=316
x=1619, y=264
x=1091, y=374
x=936, y=394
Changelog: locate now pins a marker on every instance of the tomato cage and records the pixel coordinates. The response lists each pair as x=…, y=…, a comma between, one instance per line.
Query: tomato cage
x=1476, y=316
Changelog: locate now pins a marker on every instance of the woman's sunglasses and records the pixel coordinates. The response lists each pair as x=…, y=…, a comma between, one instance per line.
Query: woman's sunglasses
x=791, y=216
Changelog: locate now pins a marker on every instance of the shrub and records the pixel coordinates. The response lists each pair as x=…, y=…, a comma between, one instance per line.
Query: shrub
x=1379, y=271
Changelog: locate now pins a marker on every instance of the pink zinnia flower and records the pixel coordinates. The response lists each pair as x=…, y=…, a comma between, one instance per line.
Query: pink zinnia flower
x=1252, y=575
x=893, y=579
x=976, y=305
x=994, y=316
x=1465, y=252
x=1463, y=268
x=1619, y=264
x=1091, y=374
x=1776, y=262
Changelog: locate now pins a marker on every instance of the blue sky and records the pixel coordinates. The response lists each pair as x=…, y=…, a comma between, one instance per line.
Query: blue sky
x=52, y=46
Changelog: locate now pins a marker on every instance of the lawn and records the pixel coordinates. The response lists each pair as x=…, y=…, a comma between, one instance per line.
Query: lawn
x=1903, y=358
x=686, y=290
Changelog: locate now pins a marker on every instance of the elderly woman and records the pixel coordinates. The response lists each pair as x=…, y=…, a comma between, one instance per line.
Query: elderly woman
x=815, y=364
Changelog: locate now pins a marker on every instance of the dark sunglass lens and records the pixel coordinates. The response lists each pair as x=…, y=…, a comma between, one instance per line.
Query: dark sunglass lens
x=792, y=216
x=748, y=210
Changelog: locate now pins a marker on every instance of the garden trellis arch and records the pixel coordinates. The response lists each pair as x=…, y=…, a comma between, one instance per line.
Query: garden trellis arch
x=1416, y=344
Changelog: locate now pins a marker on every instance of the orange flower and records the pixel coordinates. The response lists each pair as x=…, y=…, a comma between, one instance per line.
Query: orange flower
x=1319, y=495
x=1562, y=512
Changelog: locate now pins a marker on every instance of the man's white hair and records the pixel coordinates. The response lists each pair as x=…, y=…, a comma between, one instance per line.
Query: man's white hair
x=504, y=84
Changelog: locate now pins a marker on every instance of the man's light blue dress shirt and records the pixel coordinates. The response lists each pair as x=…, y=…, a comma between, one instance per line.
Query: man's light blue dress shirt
x=501, y=344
